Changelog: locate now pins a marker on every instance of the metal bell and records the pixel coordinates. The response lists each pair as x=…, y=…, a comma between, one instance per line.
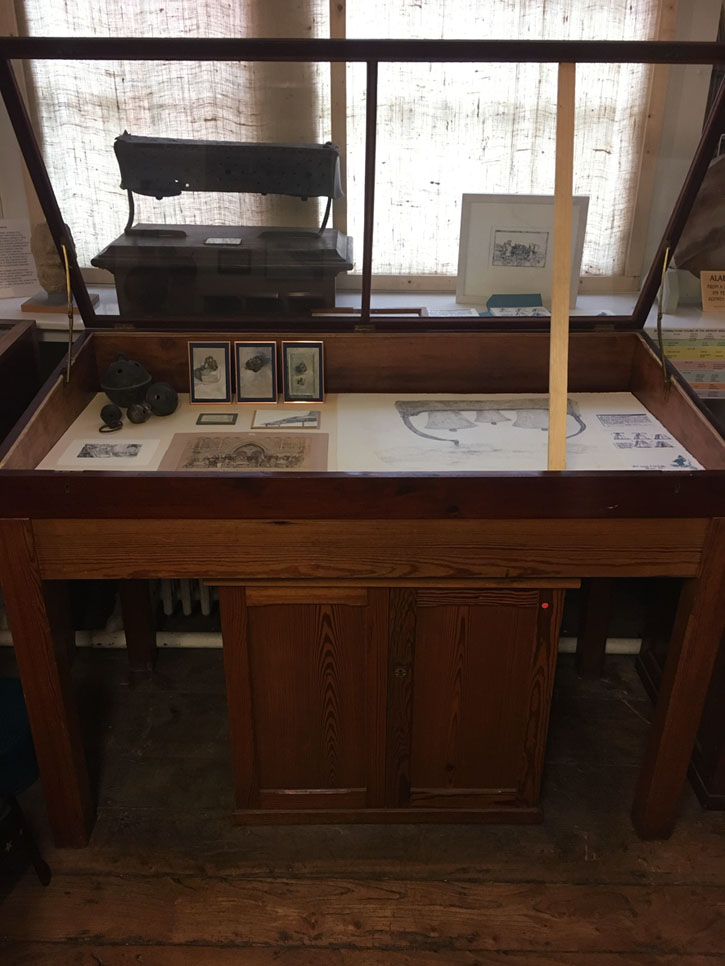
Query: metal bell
x=138, y=412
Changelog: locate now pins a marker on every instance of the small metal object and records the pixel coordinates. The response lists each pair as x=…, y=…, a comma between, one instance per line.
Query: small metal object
x=112, y=418
x=138, y=412
x=162, y=398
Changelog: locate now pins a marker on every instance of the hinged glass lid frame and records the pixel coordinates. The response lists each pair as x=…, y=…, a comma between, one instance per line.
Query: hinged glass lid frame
x=372, y=54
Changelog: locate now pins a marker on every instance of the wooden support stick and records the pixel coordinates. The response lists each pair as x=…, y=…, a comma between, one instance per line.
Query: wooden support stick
x=563, y=211
x=338, y=110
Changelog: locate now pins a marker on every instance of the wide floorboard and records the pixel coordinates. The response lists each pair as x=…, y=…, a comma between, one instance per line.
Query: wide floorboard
x=169, y=881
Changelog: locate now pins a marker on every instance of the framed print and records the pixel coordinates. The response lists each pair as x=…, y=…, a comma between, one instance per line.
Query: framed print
x=209, y=372
x=237, y=452
x=302, y=366
x=256, y=371
x=507, y=247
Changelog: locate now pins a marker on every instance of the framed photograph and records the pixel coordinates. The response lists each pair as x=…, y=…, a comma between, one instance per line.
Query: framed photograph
x=507, y=247
x=256, y=372
x=210, y=372
x=303, y=371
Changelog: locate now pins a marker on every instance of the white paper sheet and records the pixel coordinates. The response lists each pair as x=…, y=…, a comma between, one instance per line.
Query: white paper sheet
x=17, y=267
x=457, y=432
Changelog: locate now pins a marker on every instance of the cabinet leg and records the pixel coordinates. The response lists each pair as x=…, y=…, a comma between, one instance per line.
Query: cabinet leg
x=139, y=625
x=235, y=638
x=591, y=643
x=690, y=661
x=42, y=657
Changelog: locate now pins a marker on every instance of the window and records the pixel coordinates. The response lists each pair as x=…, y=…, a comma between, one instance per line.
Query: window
x=443, y=129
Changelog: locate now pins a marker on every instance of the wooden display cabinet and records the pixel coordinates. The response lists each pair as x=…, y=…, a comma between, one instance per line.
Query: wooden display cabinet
x=389, y=655
x=371, y=571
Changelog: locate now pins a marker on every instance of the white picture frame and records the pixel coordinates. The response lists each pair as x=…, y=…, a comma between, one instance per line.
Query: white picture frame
x=506, y=247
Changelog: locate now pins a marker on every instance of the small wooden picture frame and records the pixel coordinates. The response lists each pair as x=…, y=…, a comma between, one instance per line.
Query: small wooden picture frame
x=303, y=367
x=256, y=367
x=210, y=372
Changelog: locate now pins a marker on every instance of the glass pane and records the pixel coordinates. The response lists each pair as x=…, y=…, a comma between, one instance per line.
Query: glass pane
x=198, y=189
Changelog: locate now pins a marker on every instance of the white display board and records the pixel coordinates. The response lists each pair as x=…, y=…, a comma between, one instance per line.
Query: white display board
x=417, y=432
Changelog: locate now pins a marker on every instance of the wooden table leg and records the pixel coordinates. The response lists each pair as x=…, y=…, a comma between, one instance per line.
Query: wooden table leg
x=42, y=658
x=139, y=625
x=690, y=661
x=591, y=642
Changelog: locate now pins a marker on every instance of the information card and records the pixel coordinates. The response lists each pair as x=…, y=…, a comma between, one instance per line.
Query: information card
x=17, y=268
x=713, y=291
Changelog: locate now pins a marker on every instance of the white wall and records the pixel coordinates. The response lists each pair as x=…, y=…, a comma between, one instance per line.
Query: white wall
x=12, y=189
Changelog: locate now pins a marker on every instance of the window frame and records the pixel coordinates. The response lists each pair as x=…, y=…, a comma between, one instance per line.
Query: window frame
x=371, y=53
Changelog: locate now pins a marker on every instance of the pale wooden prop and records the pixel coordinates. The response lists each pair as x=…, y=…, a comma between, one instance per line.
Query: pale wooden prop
x=563, y=213
x=338, y=110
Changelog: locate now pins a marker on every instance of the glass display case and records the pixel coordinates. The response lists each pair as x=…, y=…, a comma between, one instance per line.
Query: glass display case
x=391, y=561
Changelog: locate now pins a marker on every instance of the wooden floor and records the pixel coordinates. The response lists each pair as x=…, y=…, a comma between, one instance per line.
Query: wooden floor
x=168, y=880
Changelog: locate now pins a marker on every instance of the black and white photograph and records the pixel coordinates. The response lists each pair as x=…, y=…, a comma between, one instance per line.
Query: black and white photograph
x=519, y=249
x=123, y=451
x=209, y=372
x=520, y=311
x=239, y=452
x=256, y=372
x=96, y=454
x=303, y=372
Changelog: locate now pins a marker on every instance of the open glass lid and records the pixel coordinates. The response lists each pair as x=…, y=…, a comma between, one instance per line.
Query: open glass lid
x=375, y=185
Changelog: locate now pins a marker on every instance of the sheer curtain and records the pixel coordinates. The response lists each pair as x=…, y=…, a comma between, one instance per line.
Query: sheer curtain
x=446, y=129
x=443, y=129
x=81, y=107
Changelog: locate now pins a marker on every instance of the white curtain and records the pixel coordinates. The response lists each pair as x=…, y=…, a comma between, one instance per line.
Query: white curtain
x=82, y=106
x=448, y=129
x=443, y=129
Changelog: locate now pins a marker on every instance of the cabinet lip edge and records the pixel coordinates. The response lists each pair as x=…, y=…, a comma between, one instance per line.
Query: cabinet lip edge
x=47, y=494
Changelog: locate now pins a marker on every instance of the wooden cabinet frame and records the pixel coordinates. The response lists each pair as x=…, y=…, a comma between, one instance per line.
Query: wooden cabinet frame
x=429, y=532
x=409, y=704
x=441, y=532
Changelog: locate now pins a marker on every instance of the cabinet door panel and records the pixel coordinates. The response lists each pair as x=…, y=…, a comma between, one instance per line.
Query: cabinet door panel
x=308, y=677
x=478, y=682
x=306, y=682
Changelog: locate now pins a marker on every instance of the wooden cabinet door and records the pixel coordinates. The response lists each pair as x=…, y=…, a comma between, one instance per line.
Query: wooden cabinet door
x=472, y=673
x=306, y=677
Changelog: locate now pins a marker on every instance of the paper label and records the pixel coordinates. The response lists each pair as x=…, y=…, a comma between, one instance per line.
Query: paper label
x=713, y=291
x=17, y=268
